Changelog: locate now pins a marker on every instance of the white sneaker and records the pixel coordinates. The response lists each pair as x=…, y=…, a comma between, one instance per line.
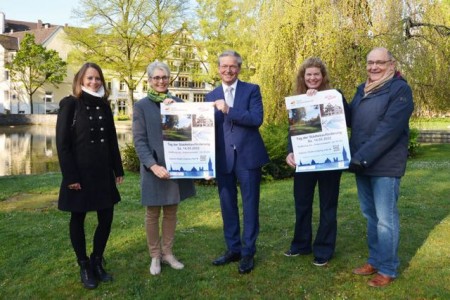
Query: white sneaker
x=155, y=266
x=172, y=261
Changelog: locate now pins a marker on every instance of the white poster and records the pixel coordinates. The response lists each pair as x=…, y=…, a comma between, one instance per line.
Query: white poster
x=188, y=134
x=318, y=131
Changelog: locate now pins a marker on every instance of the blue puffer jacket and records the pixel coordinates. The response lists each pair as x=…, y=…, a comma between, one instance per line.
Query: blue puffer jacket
x=380, y=128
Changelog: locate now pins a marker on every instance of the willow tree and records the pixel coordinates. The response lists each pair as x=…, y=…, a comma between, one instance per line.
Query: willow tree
x=289, y=32
x=125, y=35
x=417, y=32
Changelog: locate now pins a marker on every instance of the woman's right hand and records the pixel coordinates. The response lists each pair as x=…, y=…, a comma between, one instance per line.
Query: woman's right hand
x=160, y=172
x=290, y=160
x=168, y=101
x=311, y=92
x=74, y=186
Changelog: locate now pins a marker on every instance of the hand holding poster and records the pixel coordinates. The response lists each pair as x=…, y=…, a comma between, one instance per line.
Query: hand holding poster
x=188, y=137
x=318, y=131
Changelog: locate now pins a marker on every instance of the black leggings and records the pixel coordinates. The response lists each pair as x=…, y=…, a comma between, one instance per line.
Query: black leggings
x=77, y=236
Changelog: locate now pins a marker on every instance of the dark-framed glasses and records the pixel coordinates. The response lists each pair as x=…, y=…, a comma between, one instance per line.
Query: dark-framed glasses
x=380, y=63
x=158, y=78
x=231, y=67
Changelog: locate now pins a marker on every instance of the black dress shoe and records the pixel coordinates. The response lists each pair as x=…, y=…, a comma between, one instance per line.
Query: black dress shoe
x=227, y=258
x=246, y=264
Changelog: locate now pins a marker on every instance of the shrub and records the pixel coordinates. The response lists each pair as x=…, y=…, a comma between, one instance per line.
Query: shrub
x=122, y=117
x=414, y=145
x=275, y=139
x=130, y=159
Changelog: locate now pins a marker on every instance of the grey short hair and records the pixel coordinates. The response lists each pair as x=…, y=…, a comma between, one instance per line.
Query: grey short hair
x=231, y=53
x=157, y=65
x=389, y=53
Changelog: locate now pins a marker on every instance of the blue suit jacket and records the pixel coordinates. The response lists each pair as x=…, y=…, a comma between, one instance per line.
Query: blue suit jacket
x=239, y=129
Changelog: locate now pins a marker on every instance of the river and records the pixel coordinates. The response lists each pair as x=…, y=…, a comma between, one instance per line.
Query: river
x=32, y=149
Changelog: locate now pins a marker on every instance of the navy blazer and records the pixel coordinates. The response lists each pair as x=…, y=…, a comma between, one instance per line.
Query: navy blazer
x=239, y=129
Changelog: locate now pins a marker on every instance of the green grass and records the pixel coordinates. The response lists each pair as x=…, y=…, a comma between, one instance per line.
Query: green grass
x=37, y=261
x=431, y=123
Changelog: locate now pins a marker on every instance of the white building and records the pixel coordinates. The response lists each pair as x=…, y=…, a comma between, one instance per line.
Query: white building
x=184, y=62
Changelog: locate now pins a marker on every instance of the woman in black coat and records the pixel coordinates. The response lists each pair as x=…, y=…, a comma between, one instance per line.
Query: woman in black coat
x=91, y=167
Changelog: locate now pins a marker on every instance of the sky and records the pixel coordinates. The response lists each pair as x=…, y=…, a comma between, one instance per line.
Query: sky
x=56, y=12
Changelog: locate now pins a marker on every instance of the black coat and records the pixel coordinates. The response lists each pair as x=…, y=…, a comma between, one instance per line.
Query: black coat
x=88, y=153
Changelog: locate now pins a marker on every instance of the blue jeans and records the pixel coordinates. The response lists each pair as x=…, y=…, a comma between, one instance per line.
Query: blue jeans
x=378, y=200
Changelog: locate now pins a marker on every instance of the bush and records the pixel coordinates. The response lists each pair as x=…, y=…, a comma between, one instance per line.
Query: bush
x=275, y=139
x=122, y=117
x=130, y=159
x=413, y=147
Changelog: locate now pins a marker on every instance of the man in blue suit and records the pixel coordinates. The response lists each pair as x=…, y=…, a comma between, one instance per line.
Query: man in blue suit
x=240, y=154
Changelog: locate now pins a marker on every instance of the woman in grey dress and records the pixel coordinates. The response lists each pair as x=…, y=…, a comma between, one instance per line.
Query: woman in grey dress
x=158, y=191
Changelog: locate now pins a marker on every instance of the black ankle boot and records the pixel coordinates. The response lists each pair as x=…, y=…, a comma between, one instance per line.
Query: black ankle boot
x=99, y=272
x=86, y=274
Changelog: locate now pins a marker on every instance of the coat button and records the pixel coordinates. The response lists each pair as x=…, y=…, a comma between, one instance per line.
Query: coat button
x=88, y=108
x=90, y=118
x=92, y=141
x=92, y=129
x=98, y=107
x=102, y=140
x=100, y=117
x=101, y=128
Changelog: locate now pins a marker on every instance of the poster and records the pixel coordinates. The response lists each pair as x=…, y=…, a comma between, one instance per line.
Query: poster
x=318, y=131
x=188, y=137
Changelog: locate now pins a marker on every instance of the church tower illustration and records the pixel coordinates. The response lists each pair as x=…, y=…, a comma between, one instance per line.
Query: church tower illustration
x=344, y=154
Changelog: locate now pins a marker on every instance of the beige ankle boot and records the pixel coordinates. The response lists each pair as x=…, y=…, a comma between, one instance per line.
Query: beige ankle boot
x=155, y=266
x=172, y=261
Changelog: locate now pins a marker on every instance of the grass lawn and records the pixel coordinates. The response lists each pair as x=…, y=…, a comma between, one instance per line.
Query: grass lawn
x=431, y=123
x=37, y=260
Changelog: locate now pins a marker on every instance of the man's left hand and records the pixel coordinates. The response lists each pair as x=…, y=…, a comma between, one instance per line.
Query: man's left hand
x=356, y=166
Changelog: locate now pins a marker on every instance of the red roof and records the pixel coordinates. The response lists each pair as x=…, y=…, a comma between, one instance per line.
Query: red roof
x=41, y=31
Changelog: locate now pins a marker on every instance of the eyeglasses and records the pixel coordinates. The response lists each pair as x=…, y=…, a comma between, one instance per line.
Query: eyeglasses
x=226, y=67
x=378, y=62
x=158, y=78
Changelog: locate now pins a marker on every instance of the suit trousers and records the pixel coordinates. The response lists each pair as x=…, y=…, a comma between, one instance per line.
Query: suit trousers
x=304, y=186
x=169, y=223
x=249, y=181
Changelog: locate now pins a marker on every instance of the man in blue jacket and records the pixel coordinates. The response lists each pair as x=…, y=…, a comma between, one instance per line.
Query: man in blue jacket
x=380, y=113
x=240, y=154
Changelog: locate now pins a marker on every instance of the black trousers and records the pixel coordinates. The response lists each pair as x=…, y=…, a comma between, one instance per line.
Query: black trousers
x=304, y=186
x=101, y=235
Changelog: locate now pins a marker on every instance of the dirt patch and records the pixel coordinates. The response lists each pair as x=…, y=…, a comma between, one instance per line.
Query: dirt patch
x=29, y=202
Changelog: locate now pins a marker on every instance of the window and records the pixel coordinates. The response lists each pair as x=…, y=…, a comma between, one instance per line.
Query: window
x=184, y=97
x=184, y=38
x=6, y=75
x=183, y=80
x=122, y=86
x=109, y=85
x=196, y=67
x=197, y=84
x=199, y=98
x=48, y=97
x=144, y=85
x=172, y=66
x=122, y=106
x=184, y=68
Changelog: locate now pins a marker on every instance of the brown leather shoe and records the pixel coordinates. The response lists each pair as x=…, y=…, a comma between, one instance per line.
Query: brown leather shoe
x=380, y=280
x=367, y=269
